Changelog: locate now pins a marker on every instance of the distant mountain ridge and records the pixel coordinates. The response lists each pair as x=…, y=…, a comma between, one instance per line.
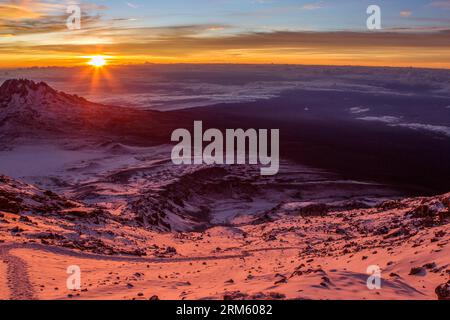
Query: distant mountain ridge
x=23, y=93
x=21, y=87
x=25, y=103
x=28, y=107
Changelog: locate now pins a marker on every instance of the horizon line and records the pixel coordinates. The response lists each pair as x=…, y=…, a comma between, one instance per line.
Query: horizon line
x=230, y=63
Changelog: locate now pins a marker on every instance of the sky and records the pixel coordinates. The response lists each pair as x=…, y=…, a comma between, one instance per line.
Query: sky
x=413, y=33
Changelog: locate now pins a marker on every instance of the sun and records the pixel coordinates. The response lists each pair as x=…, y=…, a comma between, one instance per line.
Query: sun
x=97, y=61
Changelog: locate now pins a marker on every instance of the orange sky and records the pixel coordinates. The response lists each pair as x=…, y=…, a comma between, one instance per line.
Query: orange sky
x=33, y=33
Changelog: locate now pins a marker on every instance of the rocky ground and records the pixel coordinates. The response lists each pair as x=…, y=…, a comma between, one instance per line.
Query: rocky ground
x=291, y=252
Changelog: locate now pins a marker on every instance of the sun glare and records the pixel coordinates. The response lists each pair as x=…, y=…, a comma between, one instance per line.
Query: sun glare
x=97, y=61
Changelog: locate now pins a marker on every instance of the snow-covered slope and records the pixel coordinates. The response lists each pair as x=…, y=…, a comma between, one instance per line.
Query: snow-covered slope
x=303, y=255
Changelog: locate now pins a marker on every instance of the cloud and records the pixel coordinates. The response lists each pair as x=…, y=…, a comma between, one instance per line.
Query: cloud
x=441, y=4
x=384, y=119
x=405, y=14
x=397, y=122
x=132, y=5
x=442, y=130
x=431, y=19
x=12, y=10
x=27, y=9
x=357, y=110
x=44, y=24
x=28, y=17
x=181, y=41
x=313, y=6
x=189, y=38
